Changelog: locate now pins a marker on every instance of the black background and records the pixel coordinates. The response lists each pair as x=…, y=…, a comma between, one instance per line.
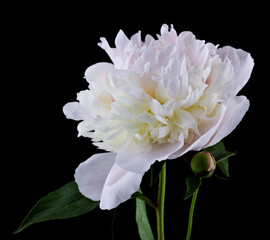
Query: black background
x=46, y=49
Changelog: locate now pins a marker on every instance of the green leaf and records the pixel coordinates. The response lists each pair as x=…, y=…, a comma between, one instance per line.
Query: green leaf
x=155, y=170
x=221, y=156
x=193, y=183
x=143, y=224
x=219, y=152
x=224, y=167
x=65, y=202
x=140, y=196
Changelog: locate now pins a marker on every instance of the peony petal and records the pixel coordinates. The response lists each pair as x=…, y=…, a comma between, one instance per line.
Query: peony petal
x=85, y=129
x=207, y=130
x=86, y=109
x=167, y=36
x=119, y=186
x=73, y=111
x=242, y=63
x=236, y=109
x=105, y=45
x=100, y=179
x=121, y=40
x=135, y=159
x=98, y=72
x=97, y=76
x=91, y=174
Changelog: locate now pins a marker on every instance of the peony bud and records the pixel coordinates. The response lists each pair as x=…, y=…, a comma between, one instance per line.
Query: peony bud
x=203, y=164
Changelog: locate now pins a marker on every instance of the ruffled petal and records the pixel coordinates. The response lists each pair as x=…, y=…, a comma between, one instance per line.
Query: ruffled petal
x=207, y=129
x=168, y=36
x=100, y=179
x=85, y=129
x=119, y=186
x=97, y=76
x=105, y=45
x=121, y=40
x=73, y=111
x=242, y=63
x=91, y=174
x=135, y=159
x=236, y=109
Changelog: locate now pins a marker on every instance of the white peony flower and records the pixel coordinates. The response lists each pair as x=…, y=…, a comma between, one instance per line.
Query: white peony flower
x=158, y=100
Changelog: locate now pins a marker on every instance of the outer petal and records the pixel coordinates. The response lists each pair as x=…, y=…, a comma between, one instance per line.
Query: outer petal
x=100, y=179
x=91, y=174
x=168, y=36
x=117, y=55
x=242, y=63
x=80, y=110
x=97, y=76
x=119, y=186
x=73, y=110
x=121, y=40
x=236, y=109
x=134, y=159
x=207, y=131
x=85, y=129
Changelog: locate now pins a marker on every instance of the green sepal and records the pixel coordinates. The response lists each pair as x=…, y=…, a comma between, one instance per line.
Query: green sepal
x=221, y=156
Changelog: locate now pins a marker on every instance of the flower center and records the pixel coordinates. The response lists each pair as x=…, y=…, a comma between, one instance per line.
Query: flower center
x=146, y=122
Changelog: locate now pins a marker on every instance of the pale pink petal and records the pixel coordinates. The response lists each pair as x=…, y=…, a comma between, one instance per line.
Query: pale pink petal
x=121, y=40
x=98, y=73
x=105, y=45
x=73, y=111
x=97, y=76
x=135, y=159
x=242, y=63
x=117, y=54
x=136, y=39
x=236, y=109
x=119, y=186
x=86, y=109
x=167, y=36
x=100, y=179
x=207, y=130
x=91, y=174
x=85, y=129
x=196, y=50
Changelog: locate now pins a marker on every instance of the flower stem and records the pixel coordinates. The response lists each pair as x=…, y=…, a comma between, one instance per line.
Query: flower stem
x=160, y=203
x=190, y=220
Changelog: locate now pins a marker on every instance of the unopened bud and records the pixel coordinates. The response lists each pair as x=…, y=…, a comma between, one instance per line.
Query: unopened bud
x=203, y=164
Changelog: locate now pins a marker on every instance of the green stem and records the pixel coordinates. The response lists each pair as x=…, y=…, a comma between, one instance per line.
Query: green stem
x=190, y=220
x=160, y=203
x=113, y=222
